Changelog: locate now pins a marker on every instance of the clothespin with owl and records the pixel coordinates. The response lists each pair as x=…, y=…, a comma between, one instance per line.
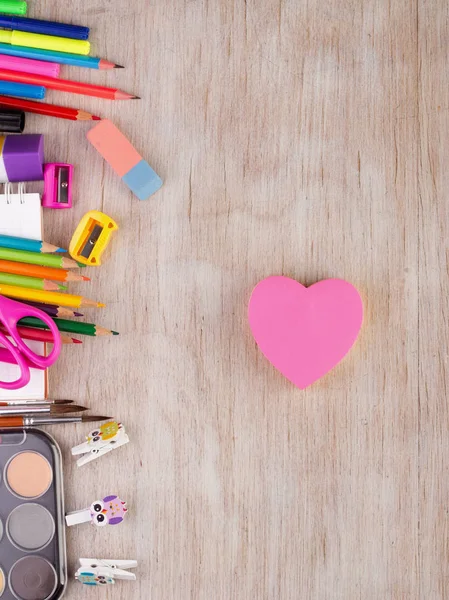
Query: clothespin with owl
x=94, y=571
x=100, y=441
x=109, y=511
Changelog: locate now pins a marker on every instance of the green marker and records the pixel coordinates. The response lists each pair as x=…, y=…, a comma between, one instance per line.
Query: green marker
x=13, y=7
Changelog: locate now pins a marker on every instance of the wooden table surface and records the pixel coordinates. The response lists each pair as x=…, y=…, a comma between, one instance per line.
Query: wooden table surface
x=295, y=137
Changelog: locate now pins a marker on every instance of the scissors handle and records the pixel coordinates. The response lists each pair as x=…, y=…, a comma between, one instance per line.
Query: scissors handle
x=19, y=358
x=11, y=312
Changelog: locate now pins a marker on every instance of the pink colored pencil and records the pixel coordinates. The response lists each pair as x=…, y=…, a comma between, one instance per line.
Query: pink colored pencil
x=29, y=65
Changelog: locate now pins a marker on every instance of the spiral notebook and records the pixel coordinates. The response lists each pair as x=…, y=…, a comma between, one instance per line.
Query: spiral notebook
x=21, y=216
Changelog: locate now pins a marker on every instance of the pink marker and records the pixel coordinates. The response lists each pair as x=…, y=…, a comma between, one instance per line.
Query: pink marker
x=29, y=65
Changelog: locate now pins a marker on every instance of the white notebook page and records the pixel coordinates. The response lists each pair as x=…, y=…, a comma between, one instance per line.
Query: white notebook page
x=21, y=216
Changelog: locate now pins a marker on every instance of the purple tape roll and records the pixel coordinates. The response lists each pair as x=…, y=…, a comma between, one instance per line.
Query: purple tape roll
x=23, y=156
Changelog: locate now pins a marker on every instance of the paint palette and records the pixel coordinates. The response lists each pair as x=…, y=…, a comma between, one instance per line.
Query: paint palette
x=33, y=564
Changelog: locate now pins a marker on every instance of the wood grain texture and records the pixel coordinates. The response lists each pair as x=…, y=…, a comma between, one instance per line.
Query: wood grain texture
x=299, y=138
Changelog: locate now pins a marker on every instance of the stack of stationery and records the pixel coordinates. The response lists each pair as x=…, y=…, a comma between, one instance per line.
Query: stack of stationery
x=38, y=314
x=31, y=52
x=37, y=274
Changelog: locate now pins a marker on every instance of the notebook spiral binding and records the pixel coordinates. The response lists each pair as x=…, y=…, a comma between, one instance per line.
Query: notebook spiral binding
x=8, y=191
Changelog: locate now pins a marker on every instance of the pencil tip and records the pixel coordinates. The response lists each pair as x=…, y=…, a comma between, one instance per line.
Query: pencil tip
x=96, y=118
x=136, y=98
x=78, y=314
x=85, y=278
x=101, y=305
x=61, y=250
x=115, y=333
x=75, y=341
x=119, y=67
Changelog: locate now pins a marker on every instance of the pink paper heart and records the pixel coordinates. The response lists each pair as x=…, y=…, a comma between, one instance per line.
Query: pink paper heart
x=305, y=332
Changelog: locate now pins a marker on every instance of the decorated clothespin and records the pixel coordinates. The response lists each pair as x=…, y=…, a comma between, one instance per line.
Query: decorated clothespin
x=95, y=571
x=100, y=441
x=109, y=511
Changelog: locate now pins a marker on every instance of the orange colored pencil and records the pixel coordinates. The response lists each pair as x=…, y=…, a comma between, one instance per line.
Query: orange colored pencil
x=9, y=266
x=66, y=85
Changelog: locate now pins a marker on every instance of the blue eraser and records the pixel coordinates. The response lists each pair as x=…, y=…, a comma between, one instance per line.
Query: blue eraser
x=142, y=180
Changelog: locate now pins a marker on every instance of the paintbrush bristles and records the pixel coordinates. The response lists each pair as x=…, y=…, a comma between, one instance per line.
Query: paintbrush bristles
x=60, y=401
x=91, y=419
x=65, y=409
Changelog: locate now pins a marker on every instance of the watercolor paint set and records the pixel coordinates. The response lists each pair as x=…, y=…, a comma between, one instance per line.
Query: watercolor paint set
x=33, y=564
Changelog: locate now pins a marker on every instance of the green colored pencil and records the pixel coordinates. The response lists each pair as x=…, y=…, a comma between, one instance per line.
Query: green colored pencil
x=69, y=326
x=35, y=283
x=35, y=258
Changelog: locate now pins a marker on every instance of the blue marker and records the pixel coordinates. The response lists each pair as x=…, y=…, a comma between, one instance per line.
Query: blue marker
x=75, y=32
x=22, y=90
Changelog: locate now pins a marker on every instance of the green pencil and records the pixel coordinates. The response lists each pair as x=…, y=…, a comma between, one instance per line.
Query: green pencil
x=34, y=283
x=69, y=326
x=35, y=258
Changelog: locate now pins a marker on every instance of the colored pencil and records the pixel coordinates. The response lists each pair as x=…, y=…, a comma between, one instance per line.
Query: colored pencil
x=13, y=7
x=22, y=90
x=62, y=58
x=35, y=258
x=76, y=327
x=41, y=335
x=50, y=110
x=74, y=32
x=57, y=298
x=33, y=421
x=33, y=283
x=8, y=266
x=54, y=311
x=18, y=243
x=28, y=65
x=66, y=85
x=46, y=42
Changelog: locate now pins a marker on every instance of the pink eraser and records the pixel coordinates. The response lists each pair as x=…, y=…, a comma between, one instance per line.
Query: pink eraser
x=305, y=331
x=118, y=151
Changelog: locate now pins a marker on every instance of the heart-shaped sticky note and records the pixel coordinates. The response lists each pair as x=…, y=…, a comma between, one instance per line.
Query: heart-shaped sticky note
x=304, y=332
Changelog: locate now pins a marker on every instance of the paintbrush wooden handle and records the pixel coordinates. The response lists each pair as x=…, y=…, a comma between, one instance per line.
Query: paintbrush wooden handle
x=11, y=422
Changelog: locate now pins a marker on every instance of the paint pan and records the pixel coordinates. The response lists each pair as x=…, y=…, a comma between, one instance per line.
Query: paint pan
x=33, y=563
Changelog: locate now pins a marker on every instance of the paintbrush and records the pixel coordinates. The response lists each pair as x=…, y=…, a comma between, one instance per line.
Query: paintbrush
x=32, y=401
x=40, y=409
x=21, y=421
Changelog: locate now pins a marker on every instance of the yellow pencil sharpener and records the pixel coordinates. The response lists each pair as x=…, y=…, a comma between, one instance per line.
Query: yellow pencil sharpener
x=91, y=238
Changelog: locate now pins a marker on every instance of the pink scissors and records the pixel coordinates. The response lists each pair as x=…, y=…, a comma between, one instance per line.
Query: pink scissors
x=11, y=312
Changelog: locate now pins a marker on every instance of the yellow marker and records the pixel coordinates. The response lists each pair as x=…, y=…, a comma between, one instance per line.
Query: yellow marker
x=44, y=42
x=91, y=237
x=21, y=293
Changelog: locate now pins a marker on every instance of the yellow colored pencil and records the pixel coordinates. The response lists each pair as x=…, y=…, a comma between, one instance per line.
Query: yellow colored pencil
x=70, y=300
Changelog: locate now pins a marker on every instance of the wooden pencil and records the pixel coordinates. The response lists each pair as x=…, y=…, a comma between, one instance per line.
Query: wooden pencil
x=18, y=268
x=56, y=298
x=35, y=258
x=54, y=311
x=50, y=110
x=40, y=335
x=77, y=327
x=18, y=243
x=34, y=283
